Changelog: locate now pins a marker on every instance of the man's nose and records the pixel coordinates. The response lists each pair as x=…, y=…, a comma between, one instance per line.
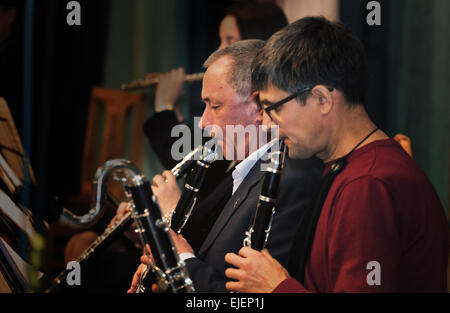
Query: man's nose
x=205, y=120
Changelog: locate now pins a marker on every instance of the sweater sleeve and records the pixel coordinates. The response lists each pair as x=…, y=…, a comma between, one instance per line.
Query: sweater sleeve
x=363, y=243
x=290, y=285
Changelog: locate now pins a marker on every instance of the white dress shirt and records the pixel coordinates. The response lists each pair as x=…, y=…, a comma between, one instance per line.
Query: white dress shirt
x=241, y=170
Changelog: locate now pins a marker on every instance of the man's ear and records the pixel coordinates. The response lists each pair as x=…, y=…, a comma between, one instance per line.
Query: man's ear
x=324, y=98
x=254, y=99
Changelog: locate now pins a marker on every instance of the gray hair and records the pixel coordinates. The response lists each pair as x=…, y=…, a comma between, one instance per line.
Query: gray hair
x=242, y=52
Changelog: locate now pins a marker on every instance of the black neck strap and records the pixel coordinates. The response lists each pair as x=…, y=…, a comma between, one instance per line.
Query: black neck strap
x=365, y=138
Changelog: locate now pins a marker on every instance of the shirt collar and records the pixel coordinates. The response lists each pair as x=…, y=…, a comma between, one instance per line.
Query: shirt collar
x=241, y=170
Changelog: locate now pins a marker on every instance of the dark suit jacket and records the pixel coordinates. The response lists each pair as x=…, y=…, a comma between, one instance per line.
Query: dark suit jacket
x=297, y=183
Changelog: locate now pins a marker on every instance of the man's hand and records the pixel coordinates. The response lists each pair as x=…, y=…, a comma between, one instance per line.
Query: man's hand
x=180, y=243
x=166, y=191
x=136, y=278
x=144, y=266
x=256, y=271
x=124, y=208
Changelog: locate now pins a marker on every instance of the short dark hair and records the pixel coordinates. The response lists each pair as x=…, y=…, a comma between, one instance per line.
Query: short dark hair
x=257, y=19
x=309, y=52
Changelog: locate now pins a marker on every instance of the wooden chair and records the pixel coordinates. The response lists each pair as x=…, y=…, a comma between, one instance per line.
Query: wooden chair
x=109, y=116
x=114, y=129
x=12, y=158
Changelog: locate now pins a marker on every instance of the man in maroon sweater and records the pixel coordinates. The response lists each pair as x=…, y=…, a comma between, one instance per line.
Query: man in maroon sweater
x=380, y=226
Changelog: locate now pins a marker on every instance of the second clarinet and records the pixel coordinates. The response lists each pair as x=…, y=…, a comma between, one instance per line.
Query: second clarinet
x=192, y=186
x=257, y=235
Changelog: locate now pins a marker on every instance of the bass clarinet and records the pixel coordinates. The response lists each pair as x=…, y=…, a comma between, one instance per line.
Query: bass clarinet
x=180, y=170
x=257, y=235
x=170, y=271
x=178, y=218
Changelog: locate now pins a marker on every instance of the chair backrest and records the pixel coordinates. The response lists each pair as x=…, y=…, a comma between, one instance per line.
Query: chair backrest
x=108, y=121
x=12, y=159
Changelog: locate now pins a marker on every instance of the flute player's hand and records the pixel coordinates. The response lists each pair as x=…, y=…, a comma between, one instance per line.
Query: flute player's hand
x=169, y=90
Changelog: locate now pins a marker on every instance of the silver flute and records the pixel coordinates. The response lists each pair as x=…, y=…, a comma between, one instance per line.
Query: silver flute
x=141, y=84
x=93, y=248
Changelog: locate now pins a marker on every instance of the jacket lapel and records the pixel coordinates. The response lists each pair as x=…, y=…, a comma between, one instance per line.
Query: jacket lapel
x=241, y=194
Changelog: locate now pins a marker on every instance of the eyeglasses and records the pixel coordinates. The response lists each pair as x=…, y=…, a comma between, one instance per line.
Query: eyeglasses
x=276, y=105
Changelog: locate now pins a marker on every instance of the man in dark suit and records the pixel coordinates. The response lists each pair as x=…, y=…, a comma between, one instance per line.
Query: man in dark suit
x=229, y=102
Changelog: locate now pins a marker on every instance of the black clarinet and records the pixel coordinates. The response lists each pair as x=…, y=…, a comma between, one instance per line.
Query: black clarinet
x=185, y=205
x=257, y=235
x=171, y=273
x=192, y=186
